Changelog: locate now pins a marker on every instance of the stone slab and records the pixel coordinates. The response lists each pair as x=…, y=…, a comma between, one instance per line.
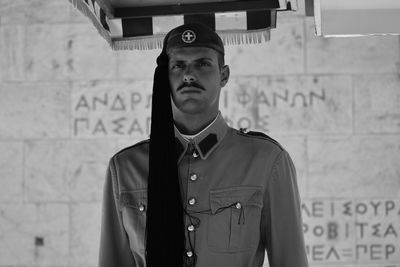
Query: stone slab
x=11, y=166
x=362, y=232
x=372, y=54
x=111, y=109
x=12, y=40
x=34, y=110
x=34, y=235
x=378, y=230
x=77, y=52
x=90, y=56
x=329, y=232
x=85, y=234
x=289, y=105
x=58, y=170
x=349, y=232
x=47, y=52
x=283, y=54
x=377, y=103
x=137, y=64
x=354, y=166
x=238, y=104
x=34, y=11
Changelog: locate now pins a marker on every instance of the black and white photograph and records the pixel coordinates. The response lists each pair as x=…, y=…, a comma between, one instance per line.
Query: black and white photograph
x=199, y=133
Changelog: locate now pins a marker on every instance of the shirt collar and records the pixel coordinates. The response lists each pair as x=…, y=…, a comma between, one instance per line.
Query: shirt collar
x=206, y=141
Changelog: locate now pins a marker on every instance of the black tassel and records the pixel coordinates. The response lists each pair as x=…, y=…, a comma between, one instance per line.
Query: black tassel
x=165, y=236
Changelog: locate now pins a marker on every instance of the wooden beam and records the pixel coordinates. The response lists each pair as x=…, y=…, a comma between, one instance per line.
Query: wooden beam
x=198, y=8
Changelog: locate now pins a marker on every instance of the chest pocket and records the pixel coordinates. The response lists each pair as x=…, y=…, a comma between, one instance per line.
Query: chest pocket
x=133, y=206
x=234, y=223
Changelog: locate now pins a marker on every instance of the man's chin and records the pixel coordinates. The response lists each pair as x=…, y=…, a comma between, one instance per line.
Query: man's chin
x=191, y=107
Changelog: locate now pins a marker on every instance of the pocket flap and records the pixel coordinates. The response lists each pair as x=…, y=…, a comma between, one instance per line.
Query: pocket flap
x=226, y=197
x=134, y=199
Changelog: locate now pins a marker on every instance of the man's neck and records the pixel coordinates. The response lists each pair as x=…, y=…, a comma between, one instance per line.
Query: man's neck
x=193, y=124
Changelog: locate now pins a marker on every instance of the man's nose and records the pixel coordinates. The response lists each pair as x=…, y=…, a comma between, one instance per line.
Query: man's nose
x=188, y=75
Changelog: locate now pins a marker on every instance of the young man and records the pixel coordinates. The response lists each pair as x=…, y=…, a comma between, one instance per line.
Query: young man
x=199, y=193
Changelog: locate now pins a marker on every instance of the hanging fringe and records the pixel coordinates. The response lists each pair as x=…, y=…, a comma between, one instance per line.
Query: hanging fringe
x=229, y=37
x=245, y=37
x=84, y=9
x=138, y=43
x=156, y=41
x=107, y=8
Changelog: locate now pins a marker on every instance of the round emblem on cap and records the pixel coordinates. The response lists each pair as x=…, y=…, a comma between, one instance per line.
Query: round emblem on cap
x=188, y=36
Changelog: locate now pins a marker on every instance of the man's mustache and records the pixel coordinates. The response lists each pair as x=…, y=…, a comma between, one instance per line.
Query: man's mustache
x=193, y=84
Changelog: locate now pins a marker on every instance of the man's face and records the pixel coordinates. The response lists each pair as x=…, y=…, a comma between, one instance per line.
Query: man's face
x=196, y=79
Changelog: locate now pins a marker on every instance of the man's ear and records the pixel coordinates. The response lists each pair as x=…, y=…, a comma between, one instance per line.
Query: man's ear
x=225, y=72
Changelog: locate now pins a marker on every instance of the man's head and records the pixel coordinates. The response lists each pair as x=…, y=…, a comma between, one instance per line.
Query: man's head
x=196, y=69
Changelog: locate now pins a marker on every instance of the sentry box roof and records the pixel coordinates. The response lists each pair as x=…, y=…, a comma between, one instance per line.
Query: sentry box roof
x=142, y=24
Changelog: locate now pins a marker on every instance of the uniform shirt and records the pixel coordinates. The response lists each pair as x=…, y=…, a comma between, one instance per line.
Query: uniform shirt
x=240, y=197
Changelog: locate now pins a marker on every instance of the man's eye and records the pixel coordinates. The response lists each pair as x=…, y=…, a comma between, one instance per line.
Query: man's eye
x=204, y=64
x=176, y=66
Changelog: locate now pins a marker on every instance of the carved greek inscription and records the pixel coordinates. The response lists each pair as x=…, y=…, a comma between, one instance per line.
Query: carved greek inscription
x=278, y=98
x=117, y=113
x=362, y=231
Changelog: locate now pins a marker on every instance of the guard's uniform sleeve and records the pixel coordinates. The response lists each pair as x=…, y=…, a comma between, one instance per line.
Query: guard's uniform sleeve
x=282, y=227
x=114, y=243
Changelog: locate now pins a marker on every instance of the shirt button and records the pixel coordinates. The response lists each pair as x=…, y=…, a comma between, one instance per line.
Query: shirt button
x=192, y=201
x=238, y=205
x=195, y=154
x=141, y=208
x=189, y=254
x=190, y=228
x=193, y=177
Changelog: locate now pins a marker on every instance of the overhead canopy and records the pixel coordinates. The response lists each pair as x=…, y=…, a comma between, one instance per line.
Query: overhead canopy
x=356, y=17
x=142, y=24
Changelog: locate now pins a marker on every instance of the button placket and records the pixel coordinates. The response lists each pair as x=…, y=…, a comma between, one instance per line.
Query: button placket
x=192, y=202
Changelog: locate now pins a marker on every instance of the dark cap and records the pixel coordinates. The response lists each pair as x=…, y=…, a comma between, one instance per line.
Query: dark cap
x=198, y=35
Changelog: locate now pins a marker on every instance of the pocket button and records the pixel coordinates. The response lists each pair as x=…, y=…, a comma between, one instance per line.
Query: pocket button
x=192, y=201
x=193, y=177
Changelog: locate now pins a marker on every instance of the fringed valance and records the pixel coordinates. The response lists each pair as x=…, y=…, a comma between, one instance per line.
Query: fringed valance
x=129, y=24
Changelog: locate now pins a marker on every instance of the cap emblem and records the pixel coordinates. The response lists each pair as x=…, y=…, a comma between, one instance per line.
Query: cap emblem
x=188, y=36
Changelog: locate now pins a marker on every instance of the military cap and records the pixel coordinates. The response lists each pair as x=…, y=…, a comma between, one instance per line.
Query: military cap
x=194, y=34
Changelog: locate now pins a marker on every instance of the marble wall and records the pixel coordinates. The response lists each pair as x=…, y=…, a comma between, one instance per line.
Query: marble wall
x=67, y=103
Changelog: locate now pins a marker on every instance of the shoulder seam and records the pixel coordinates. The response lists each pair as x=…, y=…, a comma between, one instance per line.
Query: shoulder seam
x=137, y=144
x=114, y=178
x=275, y=165
x=263, y=136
